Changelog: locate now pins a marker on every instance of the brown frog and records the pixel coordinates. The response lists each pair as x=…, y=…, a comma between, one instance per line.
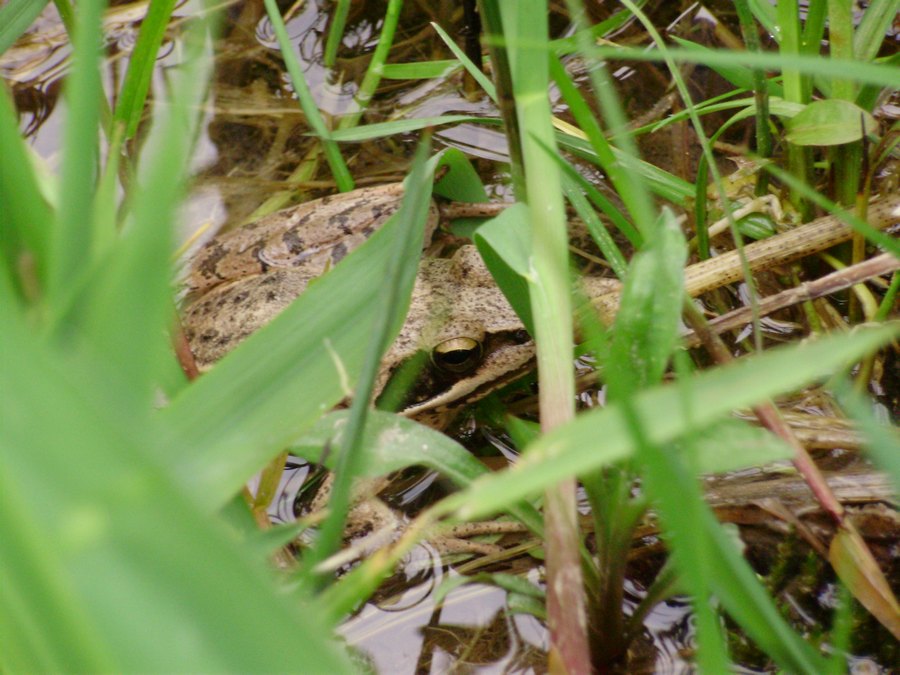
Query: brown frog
x=241, y=280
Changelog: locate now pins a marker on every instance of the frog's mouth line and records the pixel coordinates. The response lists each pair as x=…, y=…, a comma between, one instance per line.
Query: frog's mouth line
x=506, y=356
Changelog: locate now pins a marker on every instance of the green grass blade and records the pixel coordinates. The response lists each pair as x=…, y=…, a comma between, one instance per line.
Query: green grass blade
x=383, y=129
x=881, y=441
x=423, y=70
x=130, y=105
x=470, y=67
x=631, y=190
x=372, y=78
x=789, y=32
x=869, y=73
x=525, y=30
x=739, y=75
x=128, y=297
x=114, y=554
x=71, y=245
x=618, y=176
x=332, y=152
x=572, y=43
x=395, y=443
x=660, y=182
x=574, y=180
x=765, y=13
x=336, y=31
x=736, y=586
x=679, y=502
x=15, y=18
x=887, y=242
x=596, y=227
x=26, y=218
x=876, y=21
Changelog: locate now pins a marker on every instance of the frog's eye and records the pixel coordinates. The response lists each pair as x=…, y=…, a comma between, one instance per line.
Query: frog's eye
x=457, y=355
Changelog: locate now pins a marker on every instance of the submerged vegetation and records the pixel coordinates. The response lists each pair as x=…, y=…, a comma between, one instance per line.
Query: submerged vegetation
x=130, y=540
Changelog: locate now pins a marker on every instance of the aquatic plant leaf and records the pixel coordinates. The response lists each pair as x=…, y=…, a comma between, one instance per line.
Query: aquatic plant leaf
x=830, y=122
x=462, y=183
x=646, y=326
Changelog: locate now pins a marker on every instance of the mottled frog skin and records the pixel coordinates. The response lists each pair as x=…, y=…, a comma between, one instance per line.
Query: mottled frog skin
x=243, y=279
x=309, y=237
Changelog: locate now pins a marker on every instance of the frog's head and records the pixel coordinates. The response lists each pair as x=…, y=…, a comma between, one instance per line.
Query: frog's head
x=461, y=340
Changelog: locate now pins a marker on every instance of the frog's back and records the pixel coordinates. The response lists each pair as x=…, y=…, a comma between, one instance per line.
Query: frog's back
x=314, y=234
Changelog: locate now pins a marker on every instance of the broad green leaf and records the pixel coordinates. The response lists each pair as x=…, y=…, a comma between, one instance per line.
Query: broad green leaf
x=600, y=437
x=462, y=183
x=830, y=122
x=70, y=245
x=646, y=326
x=731, y=445
x=504, y=243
